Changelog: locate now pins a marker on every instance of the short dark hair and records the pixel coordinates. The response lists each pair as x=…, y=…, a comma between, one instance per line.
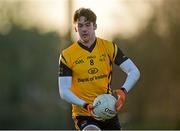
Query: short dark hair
x=87, y=13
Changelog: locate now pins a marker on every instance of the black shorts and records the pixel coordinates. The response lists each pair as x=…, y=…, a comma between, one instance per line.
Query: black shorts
x=111, y=124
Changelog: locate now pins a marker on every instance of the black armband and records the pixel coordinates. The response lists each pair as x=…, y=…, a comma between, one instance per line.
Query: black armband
x=124, y=90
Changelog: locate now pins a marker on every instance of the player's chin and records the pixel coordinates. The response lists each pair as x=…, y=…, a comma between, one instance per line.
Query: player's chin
x=85, y=40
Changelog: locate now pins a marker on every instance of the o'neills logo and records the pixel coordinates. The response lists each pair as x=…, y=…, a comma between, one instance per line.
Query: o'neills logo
x=92, y=70
x=109, y=111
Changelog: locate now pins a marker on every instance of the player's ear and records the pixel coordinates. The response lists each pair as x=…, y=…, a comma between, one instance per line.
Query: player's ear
x=95, y=26
x=75, y=29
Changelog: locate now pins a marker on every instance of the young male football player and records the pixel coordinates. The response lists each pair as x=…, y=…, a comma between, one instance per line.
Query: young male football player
x=85, y=72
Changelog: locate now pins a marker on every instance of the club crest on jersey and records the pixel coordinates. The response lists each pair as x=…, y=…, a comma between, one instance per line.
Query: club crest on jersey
x=92, y=70
x=102, y=57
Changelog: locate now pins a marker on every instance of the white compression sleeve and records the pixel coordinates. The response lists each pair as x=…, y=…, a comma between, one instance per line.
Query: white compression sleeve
x=132, y=72
x=66, y=93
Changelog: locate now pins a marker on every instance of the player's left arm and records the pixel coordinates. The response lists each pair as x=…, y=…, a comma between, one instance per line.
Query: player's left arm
x=65, y=82
x=133, y=74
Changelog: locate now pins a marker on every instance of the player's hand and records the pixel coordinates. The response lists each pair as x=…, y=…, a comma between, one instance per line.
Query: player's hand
x=121, y=93
x=88, y=107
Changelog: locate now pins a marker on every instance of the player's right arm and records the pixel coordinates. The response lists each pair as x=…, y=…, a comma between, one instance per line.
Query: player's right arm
x=65, y=81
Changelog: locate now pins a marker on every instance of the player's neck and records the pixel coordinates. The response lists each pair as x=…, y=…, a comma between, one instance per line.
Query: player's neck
x=89, y=43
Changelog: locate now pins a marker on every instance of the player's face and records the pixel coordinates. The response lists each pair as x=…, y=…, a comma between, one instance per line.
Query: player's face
x=86, y=29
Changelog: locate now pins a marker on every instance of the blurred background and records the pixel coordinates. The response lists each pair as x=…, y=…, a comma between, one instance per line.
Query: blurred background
x=34, y=32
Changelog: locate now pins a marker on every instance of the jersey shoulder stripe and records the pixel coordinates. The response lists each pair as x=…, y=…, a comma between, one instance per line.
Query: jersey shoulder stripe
x=65, y=57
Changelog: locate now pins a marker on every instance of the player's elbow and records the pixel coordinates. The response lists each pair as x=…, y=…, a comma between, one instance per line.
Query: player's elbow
x=137, y=74
x=62, y=94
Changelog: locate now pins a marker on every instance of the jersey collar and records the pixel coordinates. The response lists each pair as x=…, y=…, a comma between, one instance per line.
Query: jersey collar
x=86, y=48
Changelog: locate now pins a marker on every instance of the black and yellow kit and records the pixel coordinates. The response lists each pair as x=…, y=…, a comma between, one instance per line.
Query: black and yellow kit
x=91, y=70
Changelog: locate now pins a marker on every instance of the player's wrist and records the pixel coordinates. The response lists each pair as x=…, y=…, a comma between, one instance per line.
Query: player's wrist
x=88, y=107
x=121, y=93
x=85, y=105
x=124, y=90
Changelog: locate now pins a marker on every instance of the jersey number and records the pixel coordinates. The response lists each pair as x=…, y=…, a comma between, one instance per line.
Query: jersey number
x=91, y=62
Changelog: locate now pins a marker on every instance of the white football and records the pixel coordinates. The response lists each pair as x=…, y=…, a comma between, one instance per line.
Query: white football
x=104, y=107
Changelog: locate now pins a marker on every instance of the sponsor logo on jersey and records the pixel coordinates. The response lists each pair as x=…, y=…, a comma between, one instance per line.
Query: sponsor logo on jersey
x=93, y=78
x=91, y=57
x=81, y=61
x=92, y=70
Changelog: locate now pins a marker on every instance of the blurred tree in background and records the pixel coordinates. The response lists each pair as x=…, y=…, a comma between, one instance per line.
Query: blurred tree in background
x=29, y=96
x=29, y=91
x=153, y=104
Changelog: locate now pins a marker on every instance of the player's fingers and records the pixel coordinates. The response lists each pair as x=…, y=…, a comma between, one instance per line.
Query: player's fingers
x=118, y=105
x=118, y=108
x=90, y=107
